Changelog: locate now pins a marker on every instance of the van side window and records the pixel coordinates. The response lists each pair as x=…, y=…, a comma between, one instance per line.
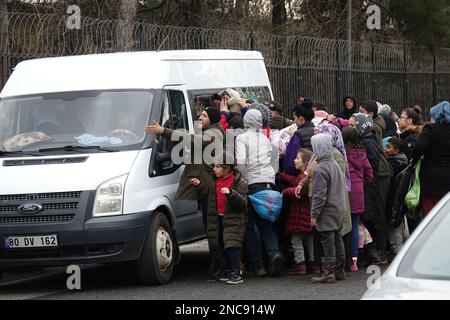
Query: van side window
x=178, y=107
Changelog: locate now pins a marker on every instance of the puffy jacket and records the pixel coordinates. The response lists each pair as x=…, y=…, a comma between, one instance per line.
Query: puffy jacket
x=360, y=174
x=299, y=219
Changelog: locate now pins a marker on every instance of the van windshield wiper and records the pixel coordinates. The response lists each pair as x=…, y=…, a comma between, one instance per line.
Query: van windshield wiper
x=18, y=153
x=77, y=148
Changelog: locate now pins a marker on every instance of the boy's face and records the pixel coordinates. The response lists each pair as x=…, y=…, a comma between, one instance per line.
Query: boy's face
x=299, y=163
x=391, y=151
x=221, y=171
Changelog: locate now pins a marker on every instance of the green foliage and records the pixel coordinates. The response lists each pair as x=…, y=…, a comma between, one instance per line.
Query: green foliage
x=425, y=22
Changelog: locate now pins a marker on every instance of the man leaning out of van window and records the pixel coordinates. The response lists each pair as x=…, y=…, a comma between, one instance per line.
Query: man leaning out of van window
x=199, y=167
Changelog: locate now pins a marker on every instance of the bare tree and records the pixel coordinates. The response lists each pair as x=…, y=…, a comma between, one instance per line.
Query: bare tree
x=279, y=15
x=126, y=14
x=4, y=41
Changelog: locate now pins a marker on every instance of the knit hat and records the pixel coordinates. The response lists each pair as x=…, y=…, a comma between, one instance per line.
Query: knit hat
x=384, y=109
x=364, y=123
x=265, y=111
x=213, y=114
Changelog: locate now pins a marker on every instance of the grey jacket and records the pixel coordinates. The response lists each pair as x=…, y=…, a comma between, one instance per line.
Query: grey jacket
x=256, y=158
x=328, y=195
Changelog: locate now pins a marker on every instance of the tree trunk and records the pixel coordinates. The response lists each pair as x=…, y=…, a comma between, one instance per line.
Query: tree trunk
x=279, y=15
x=4, y=41
x=242, y=11
x=127, y=12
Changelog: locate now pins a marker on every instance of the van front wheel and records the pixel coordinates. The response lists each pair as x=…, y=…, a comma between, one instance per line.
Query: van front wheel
x=155, y=265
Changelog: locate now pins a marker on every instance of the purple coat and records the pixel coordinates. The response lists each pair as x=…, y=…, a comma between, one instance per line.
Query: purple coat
x=360, y=174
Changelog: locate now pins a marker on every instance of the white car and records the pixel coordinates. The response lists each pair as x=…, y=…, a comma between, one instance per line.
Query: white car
x=421, y=270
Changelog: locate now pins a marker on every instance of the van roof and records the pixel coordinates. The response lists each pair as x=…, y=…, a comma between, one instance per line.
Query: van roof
x=138, y=70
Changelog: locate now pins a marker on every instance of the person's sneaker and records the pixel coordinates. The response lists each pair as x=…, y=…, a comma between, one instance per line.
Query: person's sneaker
x=260, y=273
x=235, y=278
x=354, y=266
x=275, y=266
x=298, y=269
x=225, y=276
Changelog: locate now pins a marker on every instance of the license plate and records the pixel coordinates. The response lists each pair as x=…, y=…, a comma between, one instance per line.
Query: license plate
x=19, y=242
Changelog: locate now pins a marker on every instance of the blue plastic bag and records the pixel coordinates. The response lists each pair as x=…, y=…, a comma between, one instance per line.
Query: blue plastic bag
x=267, y=204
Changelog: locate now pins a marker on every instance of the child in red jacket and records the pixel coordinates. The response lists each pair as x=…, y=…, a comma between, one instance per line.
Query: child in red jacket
x=299, y=220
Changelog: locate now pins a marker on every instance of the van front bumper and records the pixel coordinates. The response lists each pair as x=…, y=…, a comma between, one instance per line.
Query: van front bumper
x=96, y=240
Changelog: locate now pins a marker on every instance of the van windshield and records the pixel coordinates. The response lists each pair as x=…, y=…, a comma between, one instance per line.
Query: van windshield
x=105, y=119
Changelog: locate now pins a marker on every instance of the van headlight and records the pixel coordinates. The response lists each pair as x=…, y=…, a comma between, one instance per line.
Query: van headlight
x=109, y=197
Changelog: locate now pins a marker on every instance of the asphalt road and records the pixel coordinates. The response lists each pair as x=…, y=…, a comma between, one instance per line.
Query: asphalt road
x=190, y=282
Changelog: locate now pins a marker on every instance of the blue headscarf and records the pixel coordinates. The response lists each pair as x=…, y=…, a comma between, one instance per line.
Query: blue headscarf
x=441, y=112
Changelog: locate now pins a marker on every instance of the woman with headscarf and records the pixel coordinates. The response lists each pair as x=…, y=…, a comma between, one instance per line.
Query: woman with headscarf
x=340, y=156
x=434, y=146
x=350, y=108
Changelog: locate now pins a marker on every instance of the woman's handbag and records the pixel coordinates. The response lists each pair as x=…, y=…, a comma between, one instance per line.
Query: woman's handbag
x=267, y=203
x=412, y=198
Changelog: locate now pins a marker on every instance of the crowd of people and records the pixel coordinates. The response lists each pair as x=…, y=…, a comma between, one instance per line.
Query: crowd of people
x=333, y=174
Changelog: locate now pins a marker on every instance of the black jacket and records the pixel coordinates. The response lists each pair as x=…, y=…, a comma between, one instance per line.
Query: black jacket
x=397, y=164
x=409, y=139
x=434, y=145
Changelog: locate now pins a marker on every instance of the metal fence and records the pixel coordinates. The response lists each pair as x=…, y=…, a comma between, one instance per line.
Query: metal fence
x=398, y=75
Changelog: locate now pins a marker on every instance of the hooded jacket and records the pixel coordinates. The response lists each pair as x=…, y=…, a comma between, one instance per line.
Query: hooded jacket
x=360, y=174
x=328, y=195
x=256, y=158
x=234, y=218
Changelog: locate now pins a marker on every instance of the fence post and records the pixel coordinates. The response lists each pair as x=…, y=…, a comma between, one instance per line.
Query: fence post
x=435, y=80
x=405, y=78
x=338, y=78
x=374, y=72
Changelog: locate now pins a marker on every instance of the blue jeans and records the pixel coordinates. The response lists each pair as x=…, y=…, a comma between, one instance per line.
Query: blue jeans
x=355, y=234
x=257, y=229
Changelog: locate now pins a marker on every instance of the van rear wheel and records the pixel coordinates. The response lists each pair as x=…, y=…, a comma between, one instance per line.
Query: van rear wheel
x=155, y=265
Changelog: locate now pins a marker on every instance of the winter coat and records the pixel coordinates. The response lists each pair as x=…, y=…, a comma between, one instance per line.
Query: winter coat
x=300, y=139
x=397, y=163
x=347, y=222
x=256, y=158
x=299, y=219
x=360, y=174
x=370, y=143
x=380, y=126
x=328, y=202
x=434, y=145
x=409, y=139
x=235, y=216
x=203, y=172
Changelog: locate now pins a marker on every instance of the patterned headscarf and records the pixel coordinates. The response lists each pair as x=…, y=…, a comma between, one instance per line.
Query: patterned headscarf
x=338, y=142
x=265, y=111
x=441, y=112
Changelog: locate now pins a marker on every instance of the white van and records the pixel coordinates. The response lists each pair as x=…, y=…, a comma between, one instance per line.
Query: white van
x=81, y=182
